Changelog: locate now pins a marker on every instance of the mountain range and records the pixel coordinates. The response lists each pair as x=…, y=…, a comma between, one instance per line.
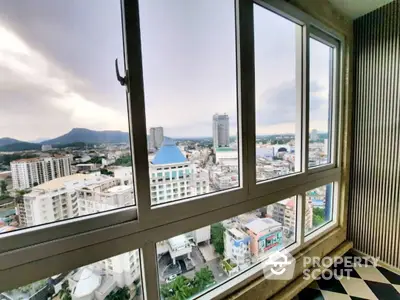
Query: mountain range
x=76, y=135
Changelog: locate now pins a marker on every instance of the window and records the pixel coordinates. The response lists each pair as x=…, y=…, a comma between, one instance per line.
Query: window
x=277, y=90
x=320, y=204
x=185, y=66
x=211, y=129
x=92, y=281
x=210, y=255
x=321, y=71
x=72, y=99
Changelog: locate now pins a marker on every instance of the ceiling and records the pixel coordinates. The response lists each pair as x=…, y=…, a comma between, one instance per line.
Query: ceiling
x=357, y=8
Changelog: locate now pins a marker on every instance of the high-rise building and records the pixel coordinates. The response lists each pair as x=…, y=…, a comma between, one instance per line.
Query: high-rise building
x=174, y=177
x=285, y=213
x=314, y=135
x=156, y=137
x=220, y=130
x=30, y=172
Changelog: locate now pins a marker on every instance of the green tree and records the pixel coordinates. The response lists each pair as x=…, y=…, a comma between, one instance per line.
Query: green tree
x=181, y=288
x=106, y=172
x=65, y=292
x=203, y=278
x=3, y=187
x=217, y=237
x=318, y=216
x=124, y=161
x=120, y=294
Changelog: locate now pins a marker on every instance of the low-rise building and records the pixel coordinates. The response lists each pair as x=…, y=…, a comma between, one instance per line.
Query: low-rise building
x=266, y=237
x=237, y=247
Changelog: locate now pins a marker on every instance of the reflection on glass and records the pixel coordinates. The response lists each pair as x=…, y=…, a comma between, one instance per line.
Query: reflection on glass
x=68, y=154
x=320, y=94
x=117, y=277
x=319, y=203
x=275, y=78
x=189, y=67
x=197, y=260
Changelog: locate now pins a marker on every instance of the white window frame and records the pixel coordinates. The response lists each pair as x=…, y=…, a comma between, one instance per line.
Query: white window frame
x=42, y=251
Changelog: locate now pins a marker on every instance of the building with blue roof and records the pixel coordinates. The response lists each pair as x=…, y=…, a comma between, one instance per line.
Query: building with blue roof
x=173, y=176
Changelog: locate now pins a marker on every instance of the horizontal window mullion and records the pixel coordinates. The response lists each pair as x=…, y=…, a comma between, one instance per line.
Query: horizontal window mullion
x=48, y=232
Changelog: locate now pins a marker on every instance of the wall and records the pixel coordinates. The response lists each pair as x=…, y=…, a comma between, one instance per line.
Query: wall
x=374, y=204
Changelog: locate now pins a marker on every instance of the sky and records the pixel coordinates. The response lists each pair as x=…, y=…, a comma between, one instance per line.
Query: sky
x=57, y=68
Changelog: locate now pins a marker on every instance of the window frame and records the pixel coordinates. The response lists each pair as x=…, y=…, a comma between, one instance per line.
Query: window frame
x=40, y=251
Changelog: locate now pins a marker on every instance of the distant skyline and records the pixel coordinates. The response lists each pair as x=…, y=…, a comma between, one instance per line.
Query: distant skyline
x=58, y=57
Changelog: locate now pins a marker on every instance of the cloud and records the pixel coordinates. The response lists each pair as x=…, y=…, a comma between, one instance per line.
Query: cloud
x=35, y=90
x=278, y=106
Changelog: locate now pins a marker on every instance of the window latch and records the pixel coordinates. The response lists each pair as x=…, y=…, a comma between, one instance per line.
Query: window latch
x=122, y=80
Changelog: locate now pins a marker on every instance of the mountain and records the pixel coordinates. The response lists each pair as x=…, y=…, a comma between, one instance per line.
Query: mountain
x=89, y=136
x=7, y=141
x=38, y=140
x=20, y=146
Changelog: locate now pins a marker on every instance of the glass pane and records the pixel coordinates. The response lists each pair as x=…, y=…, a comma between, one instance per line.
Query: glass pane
x=189, y=67
x=277, y=143
x=65, y=115
x=320, y=103
x=320, y=207
x=205, y=257
x=117, y=277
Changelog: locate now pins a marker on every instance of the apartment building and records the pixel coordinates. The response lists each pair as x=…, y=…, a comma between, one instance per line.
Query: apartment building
x=284, y=212
x=237, y=247
x=173, y=177
x=29, y=172
x=156, y=137
x=220, y=130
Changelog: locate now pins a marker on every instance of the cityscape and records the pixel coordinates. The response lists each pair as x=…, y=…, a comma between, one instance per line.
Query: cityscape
x=60, y=182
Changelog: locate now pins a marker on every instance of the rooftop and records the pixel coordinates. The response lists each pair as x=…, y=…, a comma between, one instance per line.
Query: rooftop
x=260, y=225
x=169, y=153
x=60, y=182
x=119, y=188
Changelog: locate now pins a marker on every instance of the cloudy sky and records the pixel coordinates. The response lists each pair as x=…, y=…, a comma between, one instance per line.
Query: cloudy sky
x=57, y=72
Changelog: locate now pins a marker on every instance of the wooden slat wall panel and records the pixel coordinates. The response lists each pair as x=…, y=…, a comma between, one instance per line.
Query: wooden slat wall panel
x=374, y=203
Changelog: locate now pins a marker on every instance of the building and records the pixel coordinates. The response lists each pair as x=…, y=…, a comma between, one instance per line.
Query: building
x=266, y=237
x=86, y=168
x=284, y=212
x=46, y=147
x=237, y=247
x=314, y=135
x=29, y=172
x=98, y=280
x=173, y=177
x=72, y=196
x=220, y=130
x=156, y=137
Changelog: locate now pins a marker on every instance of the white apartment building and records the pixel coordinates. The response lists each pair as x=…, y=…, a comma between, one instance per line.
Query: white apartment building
x=237, y=247
x=73, y=196
x=97, y=280
x=220, y=130
x=29, y=172
x=156, y=137
x=173, y=177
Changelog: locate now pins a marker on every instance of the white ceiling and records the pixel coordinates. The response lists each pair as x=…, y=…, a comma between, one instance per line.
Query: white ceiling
x=358, y=8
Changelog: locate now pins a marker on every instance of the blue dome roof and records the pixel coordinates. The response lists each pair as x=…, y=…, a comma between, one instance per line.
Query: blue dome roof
x=169, y=153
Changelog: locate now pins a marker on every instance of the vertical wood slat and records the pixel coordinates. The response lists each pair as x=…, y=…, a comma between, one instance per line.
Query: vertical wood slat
x=374, y=203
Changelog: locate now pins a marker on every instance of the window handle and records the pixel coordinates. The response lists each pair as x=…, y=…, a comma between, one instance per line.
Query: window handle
x=122, y=80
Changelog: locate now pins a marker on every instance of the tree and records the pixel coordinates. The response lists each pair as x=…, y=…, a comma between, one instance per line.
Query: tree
x=3, y=187
x=120, y=294
x=65, y=292
x=181, y=288
x=318, y=216
x=203, y=278
x=217, y=237
x=106, y=172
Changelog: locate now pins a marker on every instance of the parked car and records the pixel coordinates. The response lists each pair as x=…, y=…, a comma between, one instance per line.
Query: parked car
x=171, y=278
